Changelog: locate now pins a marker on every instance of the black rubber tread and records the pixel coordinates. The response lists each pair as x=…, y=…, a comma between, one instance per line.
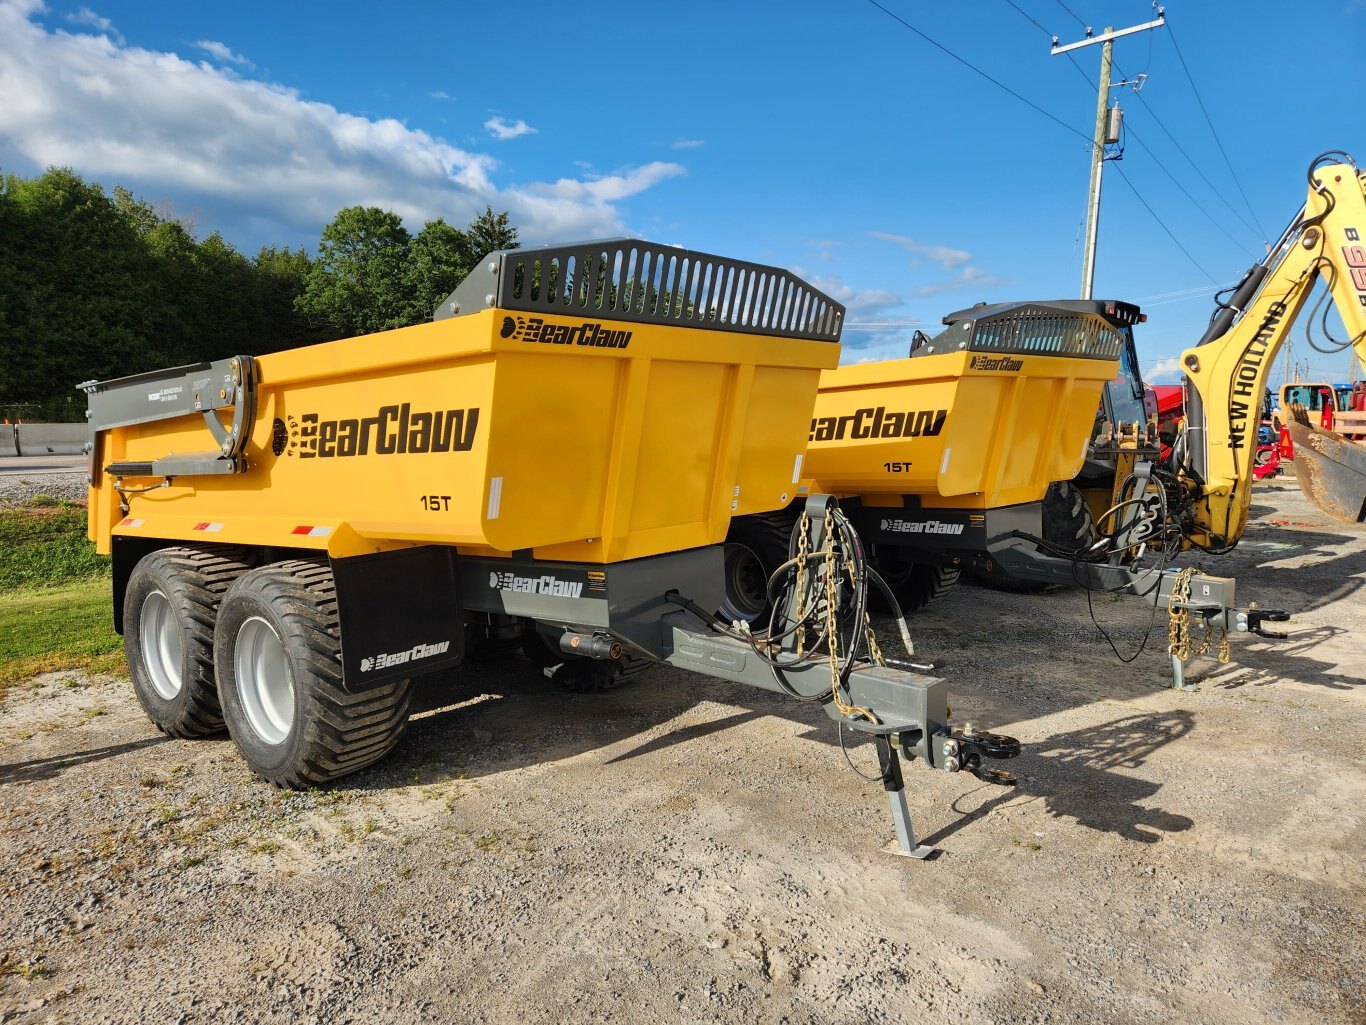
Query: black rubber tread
x=334, y=733
x=926, y=586
x=199, y=577
x=769, y=537
x=917, y=585
x=1067, y=518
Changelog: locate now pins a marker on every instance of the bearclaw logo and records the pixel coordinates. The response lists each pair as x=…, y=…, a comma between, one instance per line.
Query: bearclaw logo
x=534, y=329
x=398, y=658
x=536, y=585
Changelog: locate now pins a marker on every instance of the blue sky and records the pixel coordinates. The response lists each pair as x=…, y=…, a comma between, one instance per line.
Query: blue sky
x=827, y=137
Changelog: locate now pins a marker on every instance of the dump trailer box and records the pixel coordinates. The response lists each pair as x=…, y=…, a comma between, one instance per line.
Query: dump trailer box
x=985, y=414
x=597, y=402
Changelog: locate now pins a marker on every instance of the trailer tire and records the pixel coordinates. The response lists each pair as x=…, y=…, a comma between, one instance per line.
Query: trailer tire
x=756, y=545
x=169, y=610
x=917, y=585
x=278, y=653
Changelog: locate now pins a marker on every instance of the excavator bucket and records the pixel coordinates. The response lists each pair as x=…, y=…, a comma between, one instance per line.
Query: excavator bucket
x=1331, y=470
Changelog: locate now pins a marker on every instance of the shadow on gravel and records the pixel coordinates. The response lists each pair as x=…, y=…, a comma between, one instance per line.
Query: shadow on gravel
x=1288, y=659
x=1078, y=763
x=55, y=765
x=1073, y=777
x=522, y=719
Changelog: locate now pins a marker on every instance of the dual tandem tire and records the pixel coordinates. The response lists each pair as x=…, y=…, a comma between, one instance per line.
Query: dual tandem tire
x=212, y=641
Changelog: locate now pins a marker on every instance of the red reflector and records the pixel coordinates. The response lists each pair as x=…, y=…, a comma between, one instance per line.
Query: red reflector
x=1143, y=318
x=301, y=530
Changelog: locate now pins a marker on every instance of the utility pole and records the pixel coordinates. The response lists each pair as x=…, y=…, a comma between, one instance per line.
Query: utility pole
x=1105, y=132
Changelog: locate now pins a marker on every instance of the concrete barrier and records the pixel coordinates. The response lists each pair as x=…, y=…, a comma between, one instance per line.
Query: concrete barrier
x=52, y=439
x=7, y=442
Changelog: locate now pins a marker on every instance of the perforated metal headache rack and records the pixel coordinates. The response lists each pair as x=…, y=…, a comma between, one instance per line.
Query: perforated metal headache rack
x=1069, y=327
x=646, y=282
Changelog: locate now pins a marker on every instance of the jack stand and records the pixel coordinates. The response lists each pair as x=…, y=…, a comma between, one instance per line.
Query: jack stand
x=890, y=765
x=1179, y=674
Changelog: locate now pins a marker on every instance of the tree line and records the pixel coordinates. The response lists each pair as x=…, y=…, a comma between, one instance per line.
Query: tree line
x=96, y=285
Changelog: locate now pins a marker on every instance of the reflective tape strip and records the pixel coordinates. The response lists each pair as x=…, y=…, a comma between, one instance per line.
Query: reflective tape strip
x=130, y=522
x=944, y=466
x=797, y=470
x=495, y=497
x=312, y=531
x=211, y=528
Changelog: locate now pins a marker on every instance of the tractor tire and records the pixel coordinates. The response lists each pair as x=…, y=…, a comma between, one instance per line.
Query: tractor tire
x=1067, y=523
x=278, y=653
x=756, y=545
x=169, y=609
x=1067, y=518
x=917, y=585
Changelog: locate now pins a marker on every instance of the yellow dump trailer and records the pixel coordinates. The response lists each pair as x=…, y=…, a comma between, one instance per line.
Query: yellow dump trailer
x=987, y=414
x=553, y=462
x=984, y=416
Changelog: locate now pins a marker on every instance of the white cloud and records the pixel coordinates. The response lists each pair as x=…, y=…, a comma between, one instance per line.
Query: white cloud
x=968, y=277
x=500, y=128
x=1165, y=371
x=943, y=255
x=221, y=52
x=439, y=95
x=85, y=16
x=687, y=143
x=864, y=302
x=257, y=153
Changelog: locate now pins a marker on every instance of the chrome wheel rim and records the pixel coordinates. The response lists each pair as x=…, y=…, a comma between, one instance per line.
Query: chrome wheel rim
x=161, y=650
x=264, y=683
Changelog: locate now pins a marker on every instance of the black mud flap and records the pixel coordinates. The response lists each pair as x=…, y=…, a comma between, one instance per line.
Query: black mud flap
x=401, y=614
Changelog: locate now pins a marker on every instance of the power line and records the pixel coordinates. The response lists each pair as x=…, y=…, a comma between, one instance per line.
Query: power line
x=1139, y=195
x=1030, y=19
x=1134, y=135
x=1209, y=122
x=978, y=71
x=1210, y=217
x=1074, y=15
x=1056, y=120
x=1194, y=166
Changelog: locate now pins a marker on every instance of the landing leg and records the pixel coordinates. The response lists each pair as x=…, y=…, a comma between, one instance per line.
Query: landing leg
x=1178, y=674
x=890, y=765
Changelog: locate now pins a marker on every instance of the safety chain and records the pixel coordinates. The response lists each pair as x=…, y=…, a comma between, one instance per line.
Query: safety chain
x=832, y=631
x=874, y=652
x=1179, y=624
x=1178, y=619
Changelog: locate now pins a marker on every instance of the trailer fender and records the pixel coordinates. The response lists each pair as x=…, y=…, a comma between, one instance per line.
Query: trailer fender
x=400, y=614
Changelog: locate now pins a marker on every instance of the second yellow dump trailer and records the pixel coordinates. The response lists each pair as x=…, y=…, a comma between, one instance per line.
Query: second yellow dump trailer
x=559, y=454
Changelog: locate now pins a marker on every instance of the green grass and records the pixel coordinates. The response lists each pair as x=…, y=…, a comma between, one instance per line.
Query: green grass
x=42, y=545
x=48, y=629
x=55, y=604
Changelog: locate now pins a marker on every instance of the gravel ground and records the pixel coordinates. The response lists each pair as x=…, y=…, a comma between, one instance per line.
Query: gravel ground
x=19, y=488
x=682, y=850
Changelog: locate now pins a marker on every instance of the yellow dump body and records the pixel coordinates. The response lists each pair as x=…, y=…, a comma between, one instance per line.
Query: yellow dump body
x=563, y=431
x=986, y=425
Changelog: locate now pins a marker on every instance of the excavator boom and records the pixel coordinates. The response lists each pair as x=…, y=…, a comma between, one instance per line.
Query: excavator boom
x=1227, y=370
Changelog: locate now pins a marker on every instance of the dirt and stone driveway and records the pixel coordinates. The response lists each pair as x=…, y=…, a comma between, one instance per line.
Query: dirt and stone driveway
x=686, y=851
